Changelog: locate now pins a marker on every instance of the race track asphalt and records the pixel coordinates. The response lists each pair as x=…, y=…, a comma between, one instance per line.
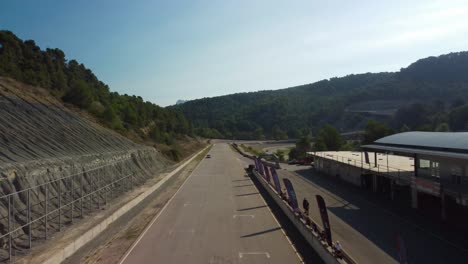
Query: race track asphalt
x=217, y=216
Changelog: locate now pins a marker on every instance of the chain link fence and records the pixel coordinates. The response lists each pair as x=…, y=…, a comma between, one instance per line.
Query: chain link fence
x=35, y=213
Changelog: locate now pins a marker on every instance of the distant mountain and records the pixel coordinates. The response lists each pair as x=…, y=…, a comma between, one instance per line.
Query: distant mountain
x=180, y=102
x=435, y=85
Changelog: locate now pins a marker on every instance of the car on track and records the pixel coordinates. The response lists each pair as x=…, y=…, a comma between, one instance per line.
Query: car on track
x=208, y=156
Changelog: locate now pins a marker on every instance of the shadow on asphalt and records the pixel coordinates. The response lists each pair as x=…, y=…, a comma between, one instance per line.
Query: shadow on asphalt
x=251, y=208
x=301, y=245
x=362, y=198
x=247, y=194
x=261, y=232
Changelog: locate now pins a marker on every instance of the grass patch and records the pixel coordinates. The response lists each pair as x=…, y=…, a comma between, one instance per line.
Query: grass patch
x=251, y=150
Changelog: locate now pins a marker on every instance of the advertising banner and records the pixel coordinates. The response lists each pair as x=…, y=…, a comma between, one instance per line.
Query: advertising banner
x=401, y=250
x=261, y=167
x=276, y=180
x=324, y=215
x=267, y=173
x=291, y=194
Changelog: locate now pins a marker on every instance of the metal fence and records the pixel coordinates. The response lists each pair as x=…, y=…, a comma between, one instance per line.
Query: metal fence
x=381, y=169
x=37, y=212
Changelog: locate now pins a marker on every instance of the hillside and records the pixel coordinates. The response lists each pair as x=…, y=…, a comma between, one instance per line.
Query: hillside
x=422, y=96
x=42, y=141
x=73, y=83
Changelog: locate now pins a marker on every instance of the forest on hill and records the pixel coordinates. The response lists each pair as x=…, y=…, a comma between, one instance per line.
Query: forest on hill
x=77, y=85
x=428, y=95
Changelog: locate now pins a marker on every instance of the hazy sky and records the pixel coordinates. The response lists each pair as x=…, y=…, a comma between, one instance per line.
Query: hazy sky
x=169, y=50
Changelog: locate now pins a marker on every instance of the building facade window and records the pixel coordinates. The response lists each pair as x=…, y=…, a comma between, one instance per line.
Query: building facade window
x=429, y=168
x=456, y=174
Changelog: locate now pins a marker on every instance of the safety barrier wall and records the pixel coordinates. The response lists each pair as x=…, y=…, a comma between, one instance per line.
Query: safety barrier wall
x=322, y=249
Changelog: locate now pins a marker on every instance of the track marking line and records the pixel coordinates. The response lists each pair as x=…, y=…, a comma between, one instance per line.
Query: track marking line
x=193, y=204
x=241, y=254
x=182, y=231
x=160, y=212
x=242, y=215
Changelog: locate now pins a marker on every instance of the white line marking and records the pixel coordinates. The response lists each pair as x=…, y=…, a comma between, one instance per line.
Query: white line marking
x=160, y=212
x=182, y=231
x=241, y=254
x=236, y=215
x=192, y=204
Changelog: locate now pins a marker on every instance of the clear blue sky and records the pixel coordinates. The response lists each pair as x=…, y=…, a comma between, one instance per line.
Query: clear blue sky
x=169, y=50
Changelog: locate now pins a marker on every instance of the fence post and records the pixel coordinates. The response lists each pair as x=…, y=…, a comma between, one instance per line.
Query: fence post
x=60, y=205
x=105, y=190
x=72, y=192
x=29, y=220
x=98, y=191
x=46, y=208
x=81, y=194
x=9, y=227
x=111, y=186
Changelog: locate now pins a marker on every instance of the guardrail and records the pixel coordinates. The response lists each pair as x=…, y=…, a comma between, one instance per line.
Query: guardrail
x=58, y=203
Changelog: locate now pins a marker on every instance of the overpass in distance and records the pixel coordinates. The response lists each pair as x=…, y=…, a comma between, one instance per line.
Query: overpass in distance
x=217, y=216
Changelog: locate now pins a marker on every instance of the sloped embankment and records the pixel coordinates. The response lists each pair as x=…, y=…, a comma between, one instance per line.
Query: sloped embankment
x=40, y=142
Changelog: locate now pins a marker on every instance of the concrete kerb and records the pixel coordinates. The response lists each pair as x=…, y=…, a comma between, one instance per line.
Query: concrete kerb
x=71, y=248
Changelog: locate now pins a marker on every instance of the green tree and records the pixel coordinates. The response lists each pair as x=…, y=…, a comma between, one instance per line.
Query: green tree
x=79, y=94
x=328, y=138
x=459, y=118
x=280, y=153
x=258, y=134
x=442, y=127
x=277, y=133
x=111, y=119
x=293, y=154
x=375, y=130
x=303, y=145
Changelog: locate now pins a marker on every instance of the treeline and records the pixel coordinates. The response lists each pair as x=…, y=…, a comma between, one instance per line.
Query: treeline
x=77, y=85
x=328, y=138
x=431, y=93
